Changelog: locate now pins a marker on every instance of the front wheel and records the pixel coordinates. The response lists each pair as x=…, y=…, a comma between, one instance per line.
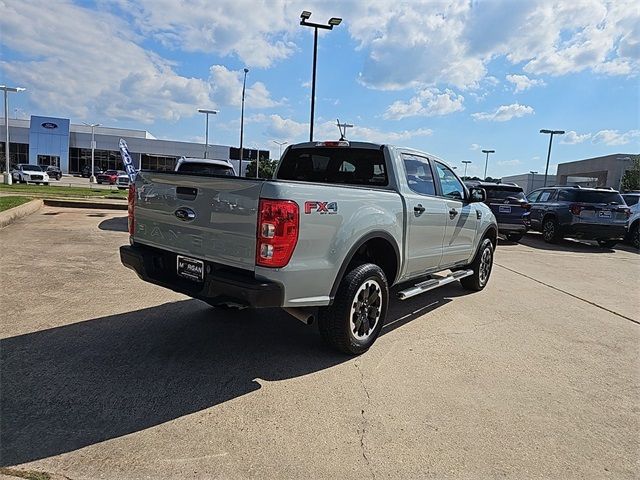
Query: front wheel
x=482, y=265
x=607, y=243
x=352, y=324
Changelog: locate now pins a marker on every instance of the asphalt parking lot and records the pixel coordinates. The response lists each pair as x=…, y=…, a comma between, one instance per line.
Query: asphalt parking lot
x=104, y=376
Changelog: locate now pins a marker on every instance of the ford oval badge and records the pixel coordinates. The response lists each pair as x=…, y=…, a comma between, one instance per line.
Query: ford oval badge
x=49, y=125
x=185, y=214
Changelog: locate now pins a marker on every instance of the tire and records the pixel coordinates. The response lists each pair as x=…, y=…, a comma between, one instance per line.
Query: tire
x=607, y=243
x=482, y=265
x=550, y=230
x=363, y=297
x=514, y=237
x=635, y=235
x=46, y=184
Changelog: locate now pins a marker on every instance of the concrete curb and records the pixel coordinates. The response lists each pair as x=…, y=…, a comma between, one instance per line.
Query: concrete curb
x=59, y=202
x=9, y=216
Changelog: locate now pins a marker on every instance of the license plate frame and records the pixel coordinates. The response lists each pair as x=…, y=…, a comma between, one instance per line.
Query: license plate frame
x=604, y=214
x=504, y=209
x=190, y=268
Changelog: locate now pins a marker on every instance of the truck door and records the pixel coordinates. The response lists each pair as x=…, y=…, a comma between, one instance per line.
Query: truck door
x=426, y=217
x=461, y=216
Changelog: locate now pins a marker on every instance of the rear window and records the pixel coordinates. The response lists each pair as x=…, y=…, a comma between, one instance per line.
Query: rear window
x=631, y=199
x=597, y=196
x=205, y=169
x=351, y=166
x=504, y=193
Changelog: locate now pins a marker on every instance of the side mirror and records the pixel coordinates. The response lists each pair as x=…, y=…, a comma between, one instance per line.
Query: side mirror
x=477, y=194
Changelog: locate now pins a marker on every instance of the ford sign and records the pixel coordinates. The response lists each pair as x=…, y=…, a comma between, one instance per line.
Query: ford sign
x=49, y=125
x=185, y=214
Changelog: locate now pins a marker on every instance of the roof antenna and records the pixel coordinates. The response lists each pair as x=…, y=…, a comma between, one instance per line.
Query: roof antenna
x=342, y=127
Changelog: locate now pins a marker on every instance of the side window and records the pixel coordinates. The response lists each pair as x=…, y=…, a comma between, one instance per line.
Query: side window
x=545, y=196
x=419, y=176
x=451, y=186
x=566, y=196
x=533, y=196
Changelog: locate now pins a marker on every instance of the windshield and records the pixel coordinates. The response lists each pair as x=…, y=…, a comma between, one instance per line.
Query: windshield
x=205, y=169
x=31, y=168
x=353, y=166
x=504, y=193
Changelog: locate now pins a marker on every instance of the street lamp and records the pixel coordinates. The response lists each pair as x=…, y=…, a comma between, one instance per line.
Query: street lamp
x=533, y=179
x=244, y=84
x=7, y=177
x=486, y=162
x=280, y=144
x=466, y=163
x=92, y=177
x=333, y=22
x=255, y=145
x=551, y=134
x=206, y=133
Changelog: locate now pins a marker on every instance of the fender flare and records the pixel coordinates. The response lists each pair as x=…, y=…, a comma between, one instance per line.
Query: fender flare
x=352, y=252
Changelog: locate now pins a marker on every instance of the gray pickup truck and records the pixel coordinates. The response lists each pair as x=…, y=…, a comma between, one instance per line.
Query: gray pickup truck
x=338, y=225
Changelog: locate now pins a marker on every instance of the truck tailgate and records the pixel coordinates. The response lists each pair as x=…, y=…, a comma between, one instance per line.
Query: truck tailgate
x=208, y=218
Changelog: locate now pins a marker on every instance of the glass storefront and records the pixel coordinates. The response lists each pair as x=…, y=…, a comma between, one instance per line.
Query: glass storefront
x=105, y=159
x=158, y=163
x=18, y=153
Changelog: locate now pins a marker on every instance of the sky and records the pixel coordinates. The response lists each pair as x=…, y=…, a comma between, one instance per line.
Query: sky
x=447, y=77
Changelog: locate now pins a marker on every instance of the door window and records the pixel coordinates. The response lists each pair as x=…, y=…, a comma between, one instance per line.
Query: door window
x=451, y=186
x=545, y=196
x=419, y=176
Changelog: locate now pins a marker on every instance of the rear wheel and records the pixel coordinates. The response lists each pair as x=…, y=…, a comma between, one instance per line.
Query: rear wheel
x=514, y=237
x=482, y=265
x=550, y=231
x=355, y=319
x=607, y=243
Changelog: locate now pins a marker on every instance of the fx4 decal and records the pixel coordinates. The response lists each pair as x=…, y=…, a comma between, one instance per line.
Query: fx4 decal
x=321, y=207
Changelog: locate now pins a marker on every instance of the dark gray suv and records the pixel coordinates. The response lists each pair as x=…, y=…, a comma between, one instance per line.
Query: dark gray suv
x=586, y=213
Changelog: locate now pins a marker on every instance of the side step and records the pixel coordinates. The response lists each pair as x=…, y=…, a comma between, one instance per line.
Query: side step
x=433, y=283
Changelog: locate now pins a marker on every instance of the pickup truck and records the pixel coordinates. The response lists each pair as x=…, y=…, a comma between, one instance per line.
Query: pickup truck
x=325, y=239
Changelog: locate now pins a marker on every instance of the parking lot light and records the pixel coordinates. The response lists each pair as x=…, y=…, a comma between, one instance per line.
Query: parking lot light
x=466, y=163
x=206, y=133
x=486, y=162
x=92, y=177
x=551, y=133
x=7, y=177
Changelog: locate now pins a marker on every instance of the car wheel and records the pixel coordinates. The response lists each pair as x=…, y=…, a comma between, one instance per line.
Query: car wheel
x=352, y=324
x=550, y=231
x=482, y=265
x=607, y=243
x=635, y=235
x=514, y=237
x=46, y=184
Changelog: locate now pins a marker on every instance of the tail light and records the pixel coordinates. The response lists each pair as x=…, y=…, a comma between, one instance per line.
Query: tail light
x=132, y=204
x=627, y=212
x=277, y=234
x=526, y=206
x=575, y=209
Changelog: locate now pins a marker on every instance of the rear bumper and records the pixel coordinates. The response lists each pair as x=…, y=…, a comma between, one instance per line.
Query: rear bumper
x=589, y=231
x=512, y=228
x=221, y=284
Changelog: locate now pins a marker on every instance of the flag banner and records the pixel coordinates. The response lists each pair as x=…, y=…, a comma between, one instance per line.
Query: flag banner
x=127, y=160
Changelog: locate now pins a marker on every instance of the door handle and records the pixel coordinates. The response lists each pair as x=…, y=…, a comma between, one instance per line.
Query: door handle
x=419, y=208
x=453, y=212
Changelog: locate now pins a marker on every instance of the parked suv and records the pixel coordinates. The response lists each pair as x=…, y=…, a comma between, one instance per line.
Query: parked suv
x=587, y=213
x=633, y=234
x=53, y=171
x=86, y=171
x=508, y=203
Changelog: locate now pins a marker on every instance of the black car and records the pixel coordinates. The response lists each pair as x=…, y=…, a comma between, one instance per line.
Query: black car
x=586, y=213
x=508, y=203
x=53, y=171
x=86, y=171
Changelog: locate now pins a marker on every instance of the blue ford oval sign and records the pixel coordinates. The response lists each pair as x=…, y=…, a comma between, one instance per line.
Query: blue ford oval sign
x=49, y=125
x=185, y=214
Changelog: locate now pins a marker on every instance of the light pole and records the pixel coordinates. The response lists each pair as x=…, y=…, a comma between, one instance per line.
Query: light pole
x=333, y=22
x=206, y=133
x=280, y=144
x=486, y=162
x=551, y=134
x=466, y=162
x=244, y=84
x=255, y=145
x=7, y=176
x=92, y=177
x=533, y=179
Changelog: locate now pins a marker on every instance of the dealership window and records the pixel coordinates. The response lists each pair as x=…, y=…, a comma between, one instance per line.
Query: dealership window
x=158, y=162
x=104, y=159
x=18, y=153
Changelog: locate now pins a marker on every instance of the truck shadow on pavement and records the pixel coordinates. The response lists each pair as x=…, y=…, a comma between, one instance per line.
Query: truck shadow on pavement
x=115, y=224
x=73, y=386
x=534, y=240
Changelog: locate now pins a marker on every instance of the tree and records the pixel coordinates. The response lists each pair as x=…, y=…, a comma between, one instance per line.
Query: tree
x=631, y=178
x=267, y=167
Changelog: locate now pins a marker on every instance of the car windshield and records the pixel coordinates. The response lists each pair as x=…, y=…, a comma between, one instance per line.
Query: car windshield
x=591, y=196
x=32, y=168
x=504, y=193
x=631, y=199
x=205, y=168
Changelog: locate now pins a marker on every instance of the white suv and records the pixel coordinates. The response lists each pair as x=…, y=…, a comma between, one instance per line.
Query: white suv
x=23, y=172
x=633, y=200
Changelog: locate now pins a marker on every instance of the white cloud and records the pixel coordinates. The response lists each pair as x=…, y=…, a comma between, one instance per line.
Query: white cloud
x=428, y=102
x=522, y=82
x=505, y=113
x=474, y=146
x=614, y=137
x=226, y=86
x=572, y=137
x=509, y=163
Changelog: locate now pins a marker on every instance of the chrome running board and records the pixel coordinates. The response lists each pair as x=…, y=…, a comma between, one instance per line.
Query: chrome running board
x=432, y=283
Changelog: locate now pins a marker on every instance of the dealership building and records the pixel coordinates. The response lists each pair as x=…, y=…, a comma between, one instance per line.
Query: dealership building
x=57, y=141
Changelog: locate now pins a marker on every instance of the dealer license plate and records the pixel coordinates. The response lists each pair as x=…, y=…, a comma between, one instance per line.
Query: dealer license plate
x=504, y=209
x=604, y=214
x=190, y=268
